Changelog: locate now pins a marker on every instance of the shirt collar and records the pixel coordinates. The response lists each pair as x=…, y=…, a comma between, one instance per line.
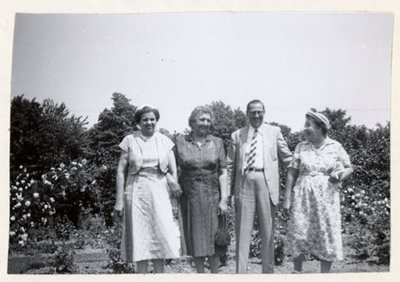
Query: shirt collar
x=252, y=129
x=190, y=138
x=328, y=141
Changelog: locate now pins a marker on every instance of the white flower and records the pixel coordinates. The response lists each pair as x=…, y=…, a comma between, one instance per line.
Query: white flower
x=17, y=205
x=84, y=161
x=32, y=224
x=62, y=165
x=28, y=214
x=79, y=164
x=32, y=181
x=24, y=216
x=22, y=229
x=93, y=182
x=45, y=206
x=17, y=183
x=103, y=167
x=12, y=218
x=52, y=168
x=24, y=237
x=20, y=189
x=52, y=199
x=27, y=203
x=14, y=187
x=19, y=196
x=23, y=181
x=44, y=220
x=73, y=163
x=36, y=195
x=67, y=175
x=73, y=168
x=51, y=212
x=46, y=182
x=21, y=243
x=12, y=233
x=21, y=167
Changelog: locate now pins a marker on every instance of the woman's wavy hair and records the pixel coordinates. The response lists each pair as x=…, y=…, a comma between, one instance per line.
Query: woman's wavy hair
x=144, y=110
x=198, y=111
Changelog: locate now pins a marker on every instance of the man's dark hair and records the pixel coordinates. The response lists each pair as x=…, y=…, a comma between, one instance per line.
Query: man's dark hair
x=255, y=101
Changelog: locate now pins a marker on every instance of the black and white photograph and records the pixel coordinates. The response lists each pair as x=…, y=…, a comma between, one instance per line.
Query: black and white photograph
x=250, y=142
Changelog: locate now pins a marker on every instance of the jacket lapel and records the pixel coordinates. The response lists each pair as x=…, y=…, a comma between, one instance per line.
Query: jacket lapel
x=266, y=144
x=242, y=143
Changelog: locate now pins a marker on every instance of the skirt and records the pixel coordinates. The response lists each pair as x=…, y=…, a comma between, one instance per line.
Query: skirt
x=149, y=230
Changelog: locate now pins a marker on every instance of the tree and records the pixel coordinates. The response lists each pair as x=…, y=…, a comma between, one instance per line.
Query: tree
x=226, y=120
x=105, y=136
x=44, y=135
x=25, y=120
x=113, y=124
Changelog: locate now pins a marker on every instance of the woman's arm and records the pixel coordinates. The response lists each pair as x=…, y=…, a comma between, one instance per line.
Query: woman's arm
x=122, y=165
x=172, y=176
x=224, y=190
x=290, y=181
x=172, y=165
x=346, y=173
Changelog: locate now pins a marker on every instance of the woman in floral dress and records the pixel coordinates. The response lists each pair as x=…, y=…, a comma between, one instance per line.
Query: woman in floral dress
x=314, y=178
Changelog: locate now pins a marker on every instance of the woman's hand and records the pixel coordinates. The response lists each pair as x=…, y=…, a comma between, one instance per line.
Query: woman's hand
x=223, y=206
x=286, y=204
x=118, y=214
x=173, y=186
x=335, y=177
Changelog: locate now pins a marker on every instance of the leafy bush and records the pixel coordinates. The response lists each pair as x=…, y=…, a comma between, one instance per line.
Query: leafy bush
x=62, y=193
x=64, y=261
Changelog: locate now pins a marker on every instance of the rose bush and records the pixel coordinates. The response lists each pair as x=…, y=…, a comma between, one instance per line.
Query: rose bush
x=61, y=193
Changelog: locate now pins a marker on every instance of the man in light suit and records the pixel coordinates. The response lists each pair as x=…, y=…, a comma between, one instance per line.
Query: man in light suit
x=253, y=172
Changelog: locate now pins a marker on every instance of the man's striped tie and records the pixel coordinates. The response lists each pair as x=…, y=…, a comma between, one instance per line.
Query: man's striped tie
x=251, y=157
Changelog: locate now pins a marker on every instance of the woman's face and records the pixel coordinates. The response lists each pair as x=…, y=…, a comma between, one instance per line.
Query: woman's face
x=311, y=130
x=202, y=124
x=148, y=123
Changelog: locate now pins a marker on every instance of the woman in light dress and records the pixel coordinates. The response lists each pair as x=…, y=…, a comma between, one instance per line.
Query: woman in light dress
x=313, y=184
x=149, y=231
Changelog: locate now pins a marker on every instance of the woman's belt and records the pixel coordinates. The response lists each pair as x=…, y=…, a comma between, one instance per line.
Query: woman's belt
x=151, y=170
x=199, y=175
x=315, y=173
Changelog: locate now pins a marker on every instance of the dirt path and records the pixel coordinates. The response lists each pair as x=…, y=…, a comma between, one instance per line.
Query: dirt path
x=92, y=261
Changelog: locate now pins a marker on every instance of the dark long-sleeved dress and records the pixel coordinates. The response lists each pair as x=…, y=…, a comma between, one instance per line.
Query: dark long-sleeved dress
x=199, y=178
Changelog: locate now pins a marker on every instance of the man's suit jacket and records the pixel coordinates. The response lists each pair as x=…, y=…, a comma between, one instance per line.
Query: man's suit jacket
x=274, y=147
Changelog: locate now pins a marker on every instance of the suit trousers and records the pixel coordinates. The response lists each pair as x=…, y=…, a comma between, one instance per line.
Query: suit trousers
x=254, y=199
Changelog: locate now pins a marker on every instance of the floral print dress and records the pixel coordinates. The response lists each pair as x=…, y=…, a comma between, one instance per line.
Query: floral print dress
x=315, y=223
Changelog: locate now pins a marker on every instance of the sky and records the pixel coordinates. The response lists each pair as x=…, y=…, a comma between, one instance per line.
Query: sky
x=177, y=61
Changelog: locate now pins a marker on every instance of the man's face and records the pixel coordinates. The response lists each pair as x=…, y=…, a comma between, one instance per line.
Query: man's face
x=255, y=114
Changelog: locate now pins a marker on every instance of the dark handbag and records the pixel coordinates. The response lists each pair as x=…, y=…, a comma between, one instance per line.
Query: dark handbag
x=222, y=237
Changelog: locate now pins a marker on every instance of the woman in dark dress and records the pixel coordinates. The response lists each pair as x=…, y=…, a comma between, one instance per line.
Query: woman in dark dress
x=201, y=160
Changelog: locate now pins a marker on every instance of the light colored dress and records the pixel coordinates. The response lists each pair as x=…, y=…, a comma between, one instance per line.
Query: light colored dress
x=315, y=223
x=200, y=167
x=149, y=231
